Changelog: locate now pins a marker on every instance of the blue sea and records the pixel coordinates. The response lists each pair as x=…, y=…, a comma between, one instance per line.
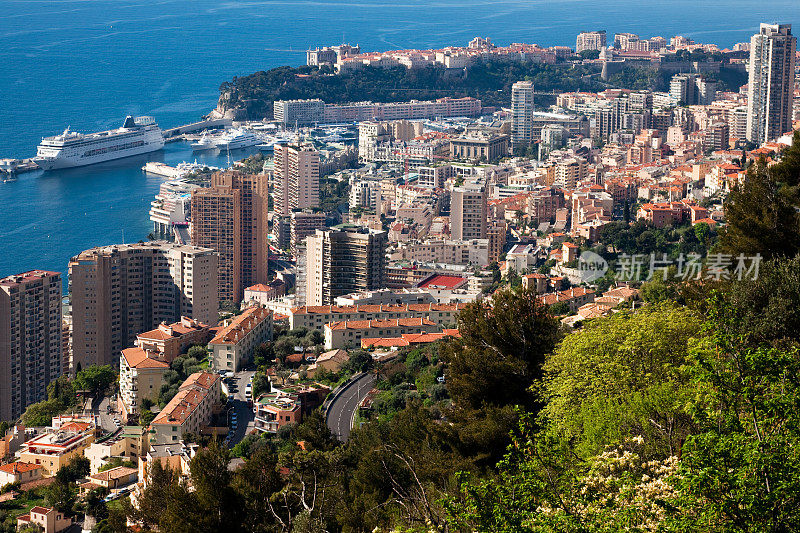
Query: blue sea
x=88, y=63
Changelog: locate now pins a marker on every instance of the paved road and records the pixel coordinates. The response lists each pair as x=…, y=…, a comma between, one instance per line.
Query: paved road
x=244, y=412
x=342, y=410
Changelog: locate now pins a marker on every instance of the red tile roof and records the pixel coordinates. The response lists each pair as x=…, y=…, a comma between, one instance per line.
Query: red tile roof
x=443, y=282
x=241, y=326
x=18, y=467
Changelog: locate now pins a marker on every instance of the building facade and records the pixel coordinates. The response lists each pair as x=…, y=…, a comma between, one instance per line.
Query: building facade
x=771, y=82
x=345, y=260
x=522, y=112
x=230, y=217
x=31, y=353
x=468, y=210
x=233, y=346
x=295, y=179
x=120, y=291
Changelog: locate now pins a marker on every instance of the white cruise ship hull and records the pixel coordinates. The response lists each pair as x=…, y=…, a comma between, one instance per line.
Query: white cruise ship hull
x=56, y=163
x=71, y=149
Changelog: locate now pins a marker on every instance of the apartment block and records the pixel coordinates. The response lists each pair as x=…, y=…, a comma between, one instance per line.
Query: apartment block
x=189, y=411
x=168, y=341
x=468, y=211
x=31, y=352
x=295, y=178
x=302, y=224
x=230, y=217
x=140, y=378
x=771, y=82
x=315, y=317
x=590, y=40
x=350, y=333
x=479, y=146
x=291, y=112
x=233, y=346
x=120, y=291
x=67, y=438
x=522, y=112
x=344, y=260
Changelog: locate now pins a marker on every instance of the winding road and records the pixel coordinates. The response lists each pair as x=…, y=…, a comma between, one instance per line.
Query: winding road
x=342, y=410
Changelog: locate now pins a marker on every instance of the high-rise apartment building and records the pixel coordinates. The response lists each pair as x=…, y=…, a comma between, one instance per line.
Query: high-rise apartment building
x=771, y=82
x=122, y=290
x=291, y=112
x=522, y=112
x=295, y=180
x=468, y=210
x=590, y=40
x=30, y=339
x=230, y=217
x=691, y=89
x=303, y=224
x=344, y=260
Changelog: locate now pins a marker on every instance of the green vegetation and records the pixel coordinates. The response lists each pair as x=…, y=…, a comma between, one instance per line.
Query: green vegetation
x=488, y=80
x=680, y=415
x=333, y=194
x=62, y=394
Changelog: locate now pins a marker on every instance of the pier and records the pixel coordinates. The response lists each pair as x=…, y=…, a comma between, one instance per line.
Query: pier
x=197, y=126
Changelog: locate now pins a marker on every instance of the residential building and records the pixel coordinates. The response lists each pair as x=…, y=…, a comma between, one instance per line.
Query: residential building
x=276, y=409
x=56, y=447
x=234, y=344
x=575, y=298
x=115, y=478
x=496, y=233
x=140, y=378
x=45, y=519
x=522, y=112
x=771, y=82
x=466, y=252
x=414, y=109
x=261, y=294
x=19, y=472
x=344, y=260
x=189, y=411
x=590, y=40
x=330, y=361
x=295, y=178
x=291, y=112
x=303, y=224
x=350, y=333
x=315, y=317
x=122, y=290
x=230, y=217
x=128, y=445
x=31, y=352
x=691, y=89
x=468, y=211
x=168, y=341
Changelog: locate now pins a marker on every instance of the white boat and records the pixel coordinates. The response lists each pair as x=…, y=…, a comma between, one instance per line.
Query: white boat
x=205, y=142
x=140, y=135
x=236, y=138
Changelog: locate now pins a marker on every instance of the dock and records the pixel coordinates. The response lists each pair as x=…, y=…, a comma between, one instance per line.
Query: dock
x=196, y=126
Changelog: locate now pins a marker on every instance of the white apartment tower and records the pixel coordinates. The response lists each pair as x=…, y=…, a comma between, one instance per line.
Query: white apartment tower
x=590, y=40
x=468, y=210
x=295, y=180
x=30, y=339
x=522, y=112
x=771, y=82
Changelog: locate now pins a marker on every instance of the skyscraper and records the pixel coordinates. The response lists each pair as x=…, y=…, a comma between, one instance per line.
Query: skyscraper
x=468, y=205
x=771, y=82
x=30, y=339
x=122, y=290
x=344, y=260
x=522, y=112
x=295, y=180
x=231, y=218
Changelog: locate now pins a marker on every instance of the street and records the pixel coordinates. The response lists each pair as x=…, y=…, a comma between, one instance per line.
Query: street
x=342, y=410
x=244, y=413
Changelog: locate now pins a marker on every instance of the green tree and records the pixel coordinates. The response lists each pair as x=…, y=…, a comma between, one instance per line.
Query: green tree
x=216, y=498
x=501, y=349
x=740, y=471
x=761, y=217
x=95, y=379
x=621, y=377
x=197, y=352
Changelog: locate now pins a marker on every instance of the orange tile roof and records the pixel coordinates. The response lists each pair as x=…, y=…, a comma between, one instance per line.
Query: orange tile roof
x=114, y=473
x=190, y=395
x=18, y=467
x=40, y=510
x=369, y=324
x=241, y=326
x=138, y=358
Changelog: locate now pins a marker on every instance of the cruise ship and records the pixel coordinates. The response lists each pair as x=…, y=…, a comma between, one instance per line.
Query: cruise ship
x=138, y=135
